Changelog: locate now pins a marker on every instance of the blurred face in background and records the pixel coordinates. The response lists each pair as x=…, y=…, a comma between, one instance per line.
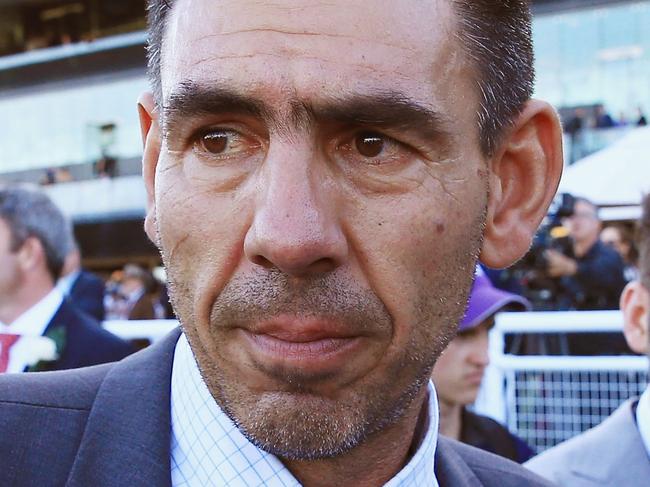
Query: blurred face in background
x=9, y=262
x=611, y=236
x=319, y=202
x=459, y=370
x=584, y=225
x=130, y=286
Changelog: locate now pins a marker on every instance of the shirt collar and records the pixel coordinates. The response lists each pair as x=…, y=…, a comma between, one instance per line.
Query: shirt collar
x=643, y=418
x=34, y=321
x=65, y=283
x=207, y=447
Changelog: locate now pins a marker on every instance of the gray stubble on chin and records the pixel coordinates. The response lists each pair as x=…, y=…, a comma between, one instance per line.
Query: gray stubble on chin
x=300, y=426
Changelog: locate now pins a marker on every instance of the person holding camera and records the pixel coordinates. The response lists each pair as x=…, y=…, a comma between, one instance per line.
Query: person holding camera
x=590, y=272
x=590, y=275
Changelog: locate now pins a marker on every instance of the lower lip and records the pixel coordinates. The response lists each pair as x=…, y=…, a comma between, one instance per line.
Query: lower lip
x=475, y=379
x=326, y=353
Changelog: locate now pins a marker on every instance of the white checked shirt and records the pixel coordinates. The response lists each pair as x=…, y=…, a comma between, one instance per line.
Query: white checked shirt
x=207, y=449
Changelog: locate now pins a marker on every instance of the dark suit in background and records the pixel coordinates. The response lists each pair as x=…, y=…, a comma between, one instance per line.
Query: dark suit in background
x=111, y=428
x=87, y=294
x=81, y=341
x=489, y=435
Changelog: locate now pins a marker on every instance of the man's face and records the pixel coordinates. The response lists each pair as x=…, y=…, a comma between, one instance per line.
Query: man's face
x=611, y=237
x=320, y=196
x=459, y=370
x=131, y=285
x=584, y=225
x=9, y=268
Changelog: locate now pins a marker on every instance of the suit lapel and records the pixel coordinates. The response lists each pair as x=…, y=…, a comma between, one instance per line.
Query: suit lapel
x=57, y=330
x=60, y=320
x=604, y=466
x=127, y=436
x=451, y=469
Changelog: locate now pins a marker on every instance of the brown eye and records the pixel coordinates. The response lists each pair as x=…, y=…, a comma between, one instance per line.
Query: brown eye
x=215, y=142
x=369, y=144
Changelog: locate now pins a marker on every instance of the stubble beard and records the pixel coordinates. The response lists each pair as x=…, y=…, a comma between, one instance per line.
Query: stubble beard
x=296, y=424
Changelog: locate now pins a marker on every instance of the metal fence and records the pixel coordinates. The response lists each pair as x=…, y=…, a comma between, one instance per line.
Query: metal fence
x=548, y=399
x=151, y=330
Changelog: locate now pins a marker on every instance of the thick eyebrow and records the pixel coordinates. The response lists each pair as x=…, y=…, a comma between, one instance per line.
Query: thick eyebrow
x=382, y=110
x=190, y=99
x=387, y=110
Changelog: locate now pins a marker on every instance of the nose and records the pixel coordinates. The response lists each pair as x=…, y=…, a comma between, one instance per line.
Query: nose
x=480, y=349
x=482, y=357
x=296, y=228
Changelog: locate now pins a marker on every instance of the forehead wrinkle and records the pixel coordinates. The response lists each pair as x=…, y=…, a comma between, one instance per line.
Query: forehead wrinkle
x=346, y=37
x=369, y=68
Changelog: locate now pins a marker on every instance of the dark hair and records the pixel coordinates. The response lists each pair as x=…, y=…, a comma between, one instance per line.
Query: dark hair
x=588, y=202
x=145, y=277
x=496, y=36
x=29, y=213
x=643, y=242
x=627, y=237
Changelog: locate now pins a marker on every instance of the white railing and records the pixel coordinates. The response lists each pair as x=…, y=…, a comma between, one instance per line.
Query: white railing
x=547, y=399
x=100, y=196
x=151, y=330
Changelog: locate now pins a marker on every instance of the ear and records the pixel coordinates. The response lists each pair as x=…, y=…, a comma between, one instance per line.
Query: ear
x=635, y=304
x=150, y=132
x=31, y=254
x=524, y=174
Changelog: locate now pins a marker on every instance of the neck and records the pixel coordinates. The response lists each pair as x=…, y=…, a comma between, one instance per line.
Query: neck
x=451, y=423
x=580, y=248
x=24, y=297
x=373, y=462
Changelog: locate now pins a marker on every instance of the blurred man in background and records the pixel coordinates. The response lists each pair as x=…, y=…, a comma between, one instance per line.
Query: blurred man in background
x=616, y=452
x=138, y=289
x=591, y=273
x=83, y=289
x=590, y=277
x=619, y=238
x=458, y=374
x=35, y=238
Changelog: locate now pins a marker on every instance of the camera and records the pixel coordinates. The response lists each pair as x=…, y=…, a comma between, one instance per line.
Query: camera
x=537, y=286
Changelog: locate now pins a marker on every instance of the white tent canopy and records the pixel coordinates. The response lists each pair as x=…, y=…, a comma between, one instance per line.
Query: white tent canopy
x=616, y=175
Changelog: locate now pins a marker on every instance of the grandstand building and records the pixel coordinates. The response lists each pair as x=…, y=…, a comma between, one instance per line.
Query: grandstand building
x=71, y=72
x=593, y=52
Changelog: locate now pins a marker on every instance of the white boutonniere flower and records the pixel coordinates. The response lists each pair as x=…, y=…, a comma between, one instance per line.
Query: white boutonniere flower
x=39, y=349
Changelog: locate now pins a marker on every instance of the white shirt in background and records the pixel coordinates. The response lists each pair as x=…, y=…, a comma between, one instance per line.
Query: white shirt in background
x=65, y=283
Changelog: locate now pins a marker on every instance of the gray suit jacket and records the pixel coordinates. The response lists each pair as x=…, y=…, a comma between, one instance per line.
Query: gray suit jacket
x=109, y=426
x=612, y=454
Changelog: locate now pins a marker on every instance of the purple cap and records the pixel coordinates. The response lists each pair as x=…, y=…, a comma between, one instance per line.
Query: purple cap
x=485, y=300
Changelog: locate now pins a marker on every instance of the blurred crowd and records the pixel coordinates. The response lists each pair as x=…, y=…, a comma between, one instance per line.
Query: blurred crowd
x=51, y=308
x=134, y=293
x=600, y=118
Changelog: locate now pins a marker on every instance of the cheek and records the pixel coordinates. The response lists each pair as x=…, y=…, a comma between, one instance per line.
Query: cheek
x=201, y=234
x=418, y=255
